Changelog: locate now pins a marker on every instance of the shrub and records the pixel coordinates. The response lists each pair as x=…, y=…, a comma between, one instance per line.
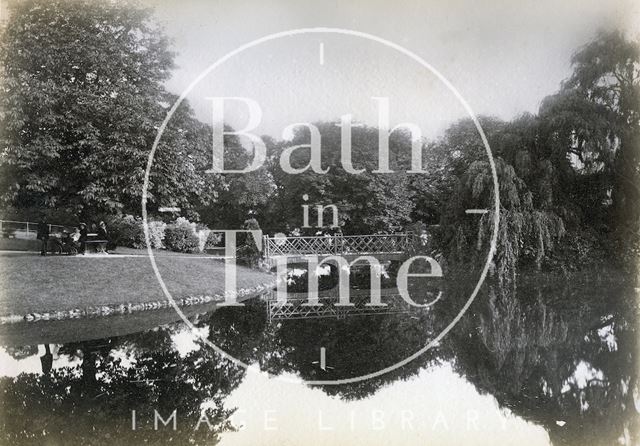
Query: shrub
x=128, y=230
x=181, y=236
x=213, y=240
x=157, y=233
x=203, y=236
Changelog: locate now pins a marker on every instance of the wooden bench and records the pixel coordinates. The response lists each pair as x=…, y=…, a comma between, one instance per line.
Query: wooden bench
x=100, y=245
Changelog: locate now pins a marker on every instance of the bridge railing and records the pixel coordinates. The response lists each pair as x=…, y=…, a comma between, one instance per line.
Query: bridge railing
x=336, y=244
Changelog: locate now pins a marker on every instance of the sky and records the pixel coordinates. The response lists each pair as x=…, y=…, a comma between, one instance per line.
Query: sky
x=501, y=57
x=437, y=408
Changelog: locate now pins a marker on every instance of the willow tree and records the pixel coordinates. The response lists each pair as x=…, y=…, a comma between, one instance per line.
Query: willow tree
x=575, y=166
x=591, y=129
x=530, y=224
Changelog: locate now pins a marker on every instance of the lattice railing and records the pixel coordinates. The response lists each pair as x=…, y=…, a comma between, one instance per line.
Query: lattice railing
x=382, y=243
x=336, y=244
x=296, y=310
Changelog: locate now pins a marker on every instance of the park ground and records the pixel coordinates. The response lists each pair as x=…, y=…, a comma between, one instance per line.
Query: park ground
x=31, y=284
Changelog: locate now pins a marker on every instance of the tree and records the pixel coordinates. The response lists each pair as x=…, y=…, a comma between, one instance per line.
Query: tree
x=596, y=116
x=81, y=108
x=573, y=168
x=239, y=193
x=367, y=202
x=530, y=222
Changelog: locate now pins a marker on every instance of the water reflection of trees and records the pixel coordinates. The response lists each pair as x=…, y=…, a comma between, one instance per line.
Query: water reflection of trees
x=91, y=403
x=567, y=362
x=559, y=352
x=355, y=346
x=523, y=348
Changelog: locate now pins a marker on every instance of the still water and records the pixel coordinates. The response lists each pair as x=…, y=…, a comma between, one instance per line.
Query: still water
x=553, y=361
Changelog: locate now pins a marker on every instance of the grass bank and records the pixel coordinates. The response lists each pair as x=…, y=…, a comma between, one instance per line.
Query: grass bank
x=57, y=287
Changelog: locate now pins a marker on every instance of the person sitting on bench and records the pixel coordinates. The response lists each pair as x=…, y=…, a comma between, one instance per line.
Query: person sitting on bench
x=75, y=236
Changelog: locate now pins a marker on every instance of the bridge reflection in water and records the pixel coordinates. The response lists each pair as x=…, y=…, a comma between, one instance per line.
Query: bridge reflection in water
x=297, y=306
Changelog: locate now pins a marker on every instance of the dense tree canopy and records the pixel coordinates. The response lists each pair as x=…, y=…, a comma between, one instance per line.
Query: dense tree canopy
x=568, y=176
x=367, y=202
x=81, y=109
x=606, y=78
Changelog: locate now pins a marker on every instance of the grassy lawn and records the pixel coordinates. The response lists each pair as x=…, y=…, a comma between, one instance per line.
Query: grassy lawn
x=157, y=252
x=22, y=245
x=34, y=284
x=19, y=244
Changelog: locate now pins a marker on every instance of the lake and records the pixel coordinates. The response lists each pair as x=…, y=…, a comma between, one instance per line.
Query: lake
x=553, y=361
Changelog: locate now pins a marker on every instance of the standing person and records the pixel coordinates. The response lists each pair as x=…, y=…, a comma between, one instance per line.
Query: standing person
x=103, y=234
x=250, y=251
x=83, y=238
x=43, y=235
x=251, y=222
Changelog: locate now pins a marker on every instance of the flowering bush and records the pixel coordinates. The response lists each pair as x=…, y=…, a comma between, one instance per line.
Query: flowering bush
x=157, y=233
x=203, y=235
